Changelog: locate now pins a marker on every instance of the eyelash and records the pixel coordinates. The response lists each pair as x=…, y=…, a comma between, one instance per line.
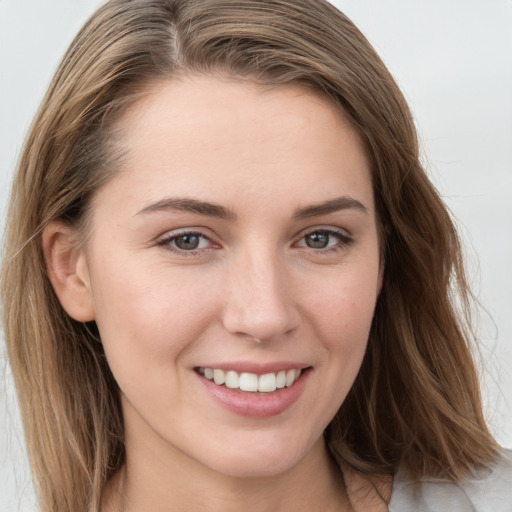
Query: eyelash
x=344, y=241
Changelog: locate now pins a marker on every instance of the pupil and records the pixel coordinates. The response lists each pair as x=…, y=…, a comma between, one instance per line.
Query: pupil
x=317, y=240
x=187, y=242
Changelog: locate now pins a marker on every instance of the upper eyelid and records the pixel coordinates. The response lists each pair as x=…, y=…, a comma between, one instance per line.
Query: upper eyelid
x=324, y=228
x=174, y=233
x=328, y=229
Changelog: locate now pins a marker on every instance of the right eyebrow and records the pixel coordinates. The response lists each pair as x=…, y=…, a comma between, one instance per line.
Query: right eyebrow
x=185, y=204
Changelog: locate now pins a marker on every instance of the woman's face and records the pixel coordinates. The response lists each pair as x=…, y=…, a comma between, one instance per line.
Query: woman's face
x=238, y=240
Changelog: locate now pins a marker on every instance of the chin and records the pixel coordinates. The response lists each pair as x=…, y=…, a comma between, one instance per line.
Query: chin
x=253, y=467
x=256, y=459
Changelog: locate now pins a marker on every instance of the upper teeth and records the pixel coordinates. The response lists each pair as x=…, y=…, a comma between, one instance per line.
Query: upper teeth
x=250, y=381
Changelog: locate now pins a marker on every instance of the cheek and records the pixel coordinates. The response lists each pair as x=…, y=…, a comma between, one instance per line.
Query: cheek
x=343, y=307
x=340, y=312
x=148, y=316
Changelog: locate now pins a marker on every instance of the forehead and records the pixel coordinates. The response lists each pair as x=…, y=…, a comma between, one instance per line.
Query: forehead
x=215, y=136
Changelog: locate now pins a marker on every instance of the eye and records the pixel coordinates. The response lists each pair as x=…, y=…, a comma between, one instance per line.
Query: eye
x=186, y=242
x=324, y=239
x=319, y=240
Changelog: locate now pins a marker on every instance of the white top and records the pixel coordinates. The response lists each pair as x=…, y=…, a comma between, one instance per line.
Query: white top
x=489, y=491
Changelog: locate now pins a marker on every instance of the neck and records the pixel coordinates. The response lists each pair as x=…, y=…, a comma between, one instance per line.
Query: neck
x=177, y=483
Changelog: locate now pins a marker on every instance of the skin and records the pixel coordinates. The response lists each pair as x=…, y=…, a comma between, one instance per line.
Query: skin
x=262, y=154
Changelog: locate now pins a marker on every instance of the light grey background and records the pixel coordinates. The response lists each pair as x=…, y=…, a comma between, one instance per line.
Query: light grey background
x=452, y=60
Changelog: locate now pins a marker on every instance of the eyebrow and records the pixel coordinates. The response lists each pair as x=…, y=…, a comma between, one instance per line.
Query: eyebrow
x=330, y=206
x=208, y=209
x=184, y=204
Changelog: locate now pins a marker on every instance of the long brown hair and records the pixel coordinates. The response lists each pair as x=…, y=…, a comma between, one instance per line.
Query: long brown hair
x=416, y=399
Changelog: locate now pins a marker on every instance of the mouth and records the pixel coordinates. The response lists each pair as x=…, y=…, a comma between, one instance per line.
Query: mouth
x=252, y=382
x=257, y=394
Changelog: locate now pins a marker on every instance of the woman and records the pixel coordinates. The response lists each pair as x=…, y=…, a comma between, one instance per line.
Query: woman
x=228, y=280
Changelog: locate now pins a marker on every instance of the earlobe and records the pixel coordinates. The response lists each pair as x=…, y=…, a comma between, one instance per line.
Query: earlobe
x=68, y=272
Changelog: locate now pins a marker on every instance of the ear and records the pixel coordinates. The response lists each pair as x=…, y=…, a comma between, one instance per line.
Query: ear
x=68, y=272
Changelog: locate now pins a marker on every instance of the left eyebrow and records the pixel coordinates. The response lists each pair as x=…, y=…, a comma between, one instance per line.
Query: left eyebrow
x=330, y=206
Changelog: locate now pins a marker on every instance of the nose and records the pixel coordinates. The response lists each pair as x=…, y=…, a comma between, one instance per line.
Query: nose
x=260, y=302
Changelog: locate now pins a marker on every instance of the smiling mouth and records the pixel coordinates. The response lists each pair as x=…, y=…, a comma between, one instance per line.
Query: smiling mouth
x=251, y=382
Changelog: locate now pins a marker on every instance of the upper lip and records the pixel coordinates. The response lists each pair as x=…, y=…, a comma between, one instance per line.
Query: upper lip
x=257, y=368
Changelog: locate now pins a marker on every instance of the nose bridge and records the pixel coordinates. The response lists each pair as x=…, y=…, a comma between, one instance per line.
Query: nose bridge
x=259, y=299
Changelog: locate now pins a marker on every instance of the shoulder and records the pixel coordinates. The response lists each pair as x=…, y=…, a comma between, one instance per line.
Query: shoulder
x=488, y=491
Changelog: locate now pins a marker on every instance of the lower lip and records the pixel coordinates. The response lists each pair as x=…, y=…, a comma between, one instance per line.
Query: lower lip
x=257, y=405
